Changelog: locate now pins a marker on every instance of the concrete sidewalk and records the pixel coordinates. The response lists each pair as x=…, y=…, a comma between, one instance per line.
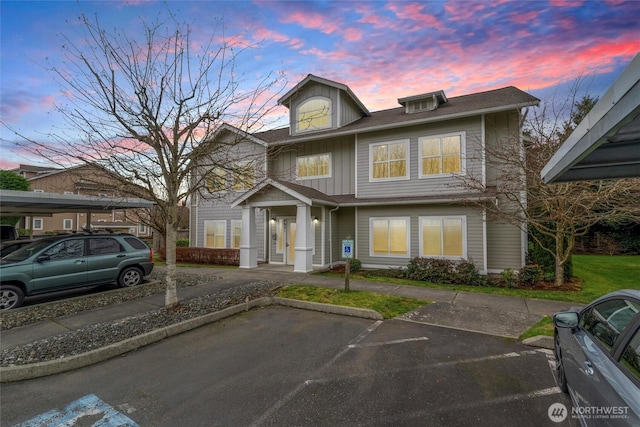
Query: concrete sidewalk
x=489, y=314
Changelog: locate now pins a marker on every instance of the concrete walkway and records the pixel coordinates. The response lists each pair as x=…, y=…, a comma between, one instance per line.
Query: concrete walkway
x=490, y=314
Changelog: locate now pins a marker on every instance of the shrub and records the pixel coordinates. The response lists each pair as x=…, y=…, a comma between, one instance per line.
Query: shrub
x=355, y=265
x=431, y=270
x=467, y=273
x=508, y=277
x=206, y=256
x=182, y=243
x=530, y=274
x=537, y=255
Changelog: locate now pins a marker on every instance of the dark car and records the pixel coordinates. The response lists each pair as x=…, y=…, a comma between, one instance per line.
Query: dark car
x=597, y=353
x=69, y=261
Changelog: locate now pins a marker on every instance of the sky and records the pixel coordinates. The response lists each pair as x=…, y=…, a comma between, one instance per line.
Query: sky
x=382, y=50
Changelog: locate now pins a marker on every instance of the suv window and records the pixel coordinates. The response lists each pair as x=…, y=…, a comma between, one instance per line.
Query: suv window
x=631, y=356
x=136, y=243
x=607, y=320
x=67, y=249
x=104, y=245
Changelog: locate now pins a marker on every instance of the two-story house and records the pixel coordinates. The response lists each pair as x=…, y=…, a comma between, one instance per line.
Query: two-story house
x=80, y=180
x=391, y=180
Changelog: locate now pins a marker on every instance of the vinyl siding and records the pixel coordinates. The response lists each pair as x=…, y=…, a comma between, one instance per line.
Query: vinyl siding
x=505, y=245
x=342, y=180
x=474, y=232
x=416, y=186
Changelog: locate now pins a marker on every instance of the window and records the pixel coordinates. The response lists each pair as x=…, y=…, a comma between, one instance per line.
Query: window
x=215, y=234
x=142, y=229
x=215, y=180
x=38, y=224
x=313, y=114
x=441, y=154
x=67, y=224
x=443, y=237
x=236, y=233
x=316, y=166
x=244, y=176
x=67, y=249
x=280, y=236
x=389, y=160
x=631, y=356
x=607, y=320
x=389, y=236
x=104, y=246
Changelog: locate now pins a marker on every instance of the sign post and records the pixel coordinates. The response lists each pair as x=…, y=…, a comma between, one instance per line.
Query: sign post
x=347, y=253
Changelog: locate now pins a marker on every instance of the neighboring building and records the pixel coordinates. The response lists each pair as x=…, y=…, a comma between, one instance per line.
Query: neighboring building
x=80, y=180
x=390, y=180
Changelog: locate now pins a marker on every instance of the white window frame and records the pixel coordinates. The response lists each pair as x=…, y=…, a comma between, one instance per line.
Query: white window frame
x=234, y=222
x=314, y=128
x=407, y=161
x=224, y=233
x=303, y=178
x=441, y=218
x=407, y=221
x=142, y=228
x=35, y=221
x=68, y=221
x=463, y=150
x=222, y=175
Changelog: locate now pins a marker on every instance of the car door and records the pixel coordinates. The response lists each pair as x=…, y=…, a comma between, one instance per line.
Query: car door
x=105, y=256
x=595, y=377
x=61, y=266
x=630, y=367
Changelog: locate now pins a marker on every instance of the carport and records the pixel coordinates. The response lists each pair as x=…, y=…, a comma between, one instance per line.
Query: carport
x=606, y=144
x=28, y=203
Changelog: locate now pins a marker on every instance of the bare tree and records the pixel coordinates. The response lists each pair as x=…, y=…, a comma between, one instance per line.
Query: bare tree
x=559, y=211
x=148, y=110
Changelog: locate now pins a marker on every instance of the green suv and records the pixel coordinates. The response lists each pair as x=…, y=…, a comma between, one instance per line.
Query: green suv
x=73, y=260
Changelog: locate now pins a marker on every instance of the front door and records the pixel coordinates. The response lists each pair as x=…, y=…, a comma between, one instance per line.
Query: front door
x=291, y=242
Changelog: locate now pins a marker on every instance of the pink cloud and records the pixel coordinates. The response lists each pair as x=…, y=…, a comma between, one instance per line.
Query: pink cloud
x=413, y=12
x=524, y=18
x=311, y=20
x=566, y=3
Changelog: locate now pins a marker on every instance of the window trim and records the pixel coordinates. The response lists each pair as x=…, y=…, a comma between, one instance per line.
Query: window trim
x=241, y=165
x=463, y=150
x=407, y=221
x=40, y=227
x=304, y=178
x=233, y=222
x=222, y=176
x=64, y=224
x=224, y=233
x=297, y=120
x=441, y=218
x=407, y=175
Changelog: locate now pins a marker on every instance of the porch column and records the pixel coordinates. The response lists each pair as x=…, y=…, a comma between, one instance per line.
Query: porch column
x=248, y=239
x=303, y=262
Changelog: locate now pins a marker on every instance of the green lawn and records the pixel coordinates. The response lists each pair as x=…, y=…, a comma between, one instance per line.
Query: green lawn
x=600, y=274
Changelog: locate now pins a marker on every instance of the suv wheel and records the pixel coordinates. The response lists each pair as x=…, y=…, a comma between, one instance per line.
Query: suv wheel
x=10, y=297
x=130, y=276
x=561, y=377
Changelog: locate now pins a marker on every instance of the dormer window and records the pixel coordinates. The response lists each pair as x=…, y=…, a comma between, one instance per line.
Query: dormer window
x=424, y=102
x=313, y=114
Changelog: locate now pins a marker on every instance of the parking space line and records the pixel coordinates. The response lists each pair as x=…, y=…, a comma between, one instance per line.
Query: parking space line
x=376, y=344
x=281, y=402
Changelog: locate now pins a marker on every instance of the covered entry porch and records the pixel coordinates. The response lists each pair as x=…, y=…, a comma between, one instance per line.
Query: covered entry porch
x=302, y=226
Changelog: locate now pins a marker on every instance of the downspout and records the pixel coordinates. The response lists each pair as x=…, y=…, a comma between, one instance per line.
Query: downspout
x=331, y=237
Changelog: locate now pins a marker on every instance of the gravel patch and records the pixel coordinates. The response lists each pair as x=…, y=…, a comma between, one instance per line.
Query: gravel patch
x=102, y=334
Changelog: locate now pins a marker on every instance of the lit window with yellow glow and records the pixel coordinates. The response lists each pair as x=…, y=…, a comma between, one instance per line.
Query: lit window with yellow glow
x=443, y=237
x=313, y=114
x=389, y=236
x=316, y=166
x=441, y=155
x=389, y=161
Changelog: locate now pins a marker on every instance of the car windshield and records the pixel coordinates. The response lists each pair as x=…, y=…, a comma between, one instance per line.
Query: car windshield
x=28, y=250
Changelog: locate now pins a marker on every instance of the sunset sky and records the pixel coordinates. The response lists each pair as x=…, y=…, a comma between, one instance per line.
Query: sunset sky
x=382, y=50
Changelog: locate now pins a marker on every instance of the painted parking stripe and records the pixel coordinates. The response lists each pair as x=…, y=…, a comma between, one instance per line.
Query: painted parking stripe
x=86, y=409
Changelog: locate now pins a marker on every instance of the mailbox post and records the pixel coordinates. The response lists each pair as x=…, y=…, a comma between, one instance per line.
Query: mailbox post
x=347, y=253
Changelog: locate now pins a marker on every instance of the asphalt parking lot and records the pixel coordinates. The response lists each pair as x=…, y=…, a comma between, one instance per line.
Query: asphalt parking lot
x=285, y=367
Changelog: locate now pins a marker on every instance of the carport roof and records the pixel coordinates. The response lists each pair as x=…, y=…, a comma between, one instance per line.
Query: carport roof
x=606, y=144
x=27, y=203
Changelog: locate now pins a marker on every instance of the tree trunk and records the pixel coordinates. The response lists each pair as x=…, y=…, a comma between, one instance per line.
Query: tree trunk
x=559, y=281
x=171, y=295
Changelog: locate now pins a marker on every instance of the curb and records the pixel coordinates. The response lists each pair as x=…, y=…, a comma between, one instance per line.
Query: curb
x=541, y=341
x=52, y=367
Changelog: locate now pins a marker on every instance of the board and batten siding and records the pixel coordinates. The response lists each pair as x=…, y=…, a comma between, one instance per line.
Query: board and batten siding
x=342, y=150
x=415, y=186
x=500, y=129
x=474, y=230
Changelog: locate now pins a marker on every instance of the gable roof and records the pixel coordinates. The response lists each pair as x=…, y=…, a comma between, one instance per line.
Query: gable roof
x=311, y=78
x=503, y=99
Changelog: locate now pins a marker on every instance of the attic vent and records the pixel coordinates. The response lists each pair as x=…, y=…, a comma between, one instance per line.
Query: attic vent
x=425, y=102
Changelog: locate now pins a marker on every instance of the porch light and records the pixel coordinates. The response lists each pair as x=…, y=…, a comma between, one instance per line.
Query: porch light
x=315, y=219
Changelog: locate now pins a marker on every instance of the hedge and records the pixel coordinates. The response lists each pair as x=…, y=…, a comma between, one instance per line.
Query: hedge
x=206, y=256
